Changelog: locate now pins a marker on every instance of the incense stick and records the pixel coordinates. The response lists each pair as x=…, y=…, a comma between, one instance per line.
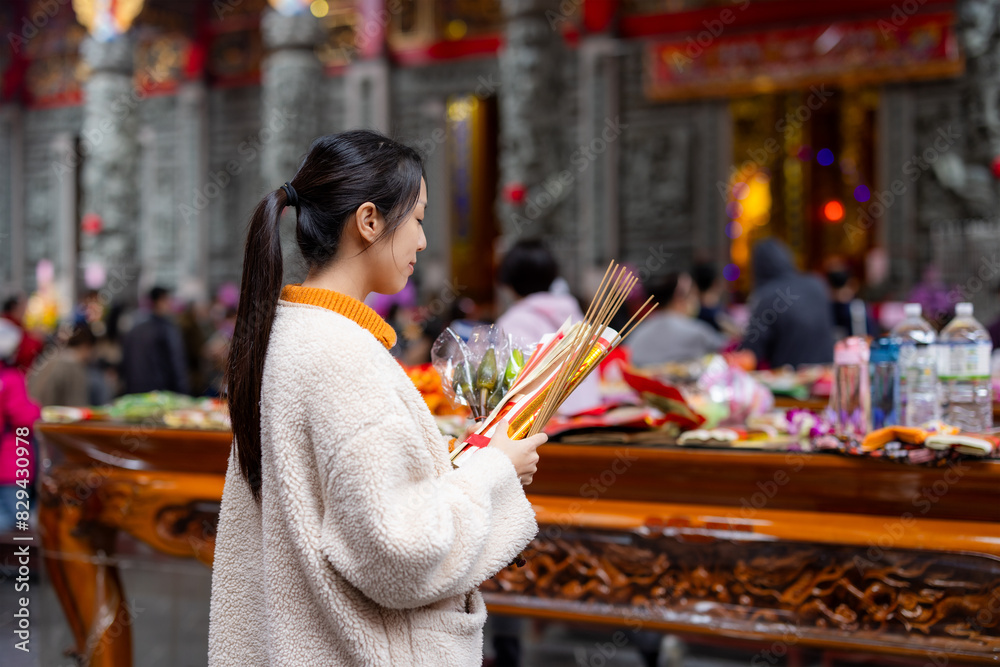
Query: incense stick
x=625, y=329
x=555, y=389
x=606, y=302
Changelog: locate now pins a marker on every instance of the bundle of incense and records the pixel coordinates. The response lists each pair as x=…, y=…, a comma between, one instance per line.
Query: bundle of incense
x=559, y=363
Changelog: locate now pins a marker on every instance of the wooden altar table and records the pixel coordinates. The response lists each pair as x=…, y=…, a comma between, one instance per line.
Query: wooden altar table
x=791, y=549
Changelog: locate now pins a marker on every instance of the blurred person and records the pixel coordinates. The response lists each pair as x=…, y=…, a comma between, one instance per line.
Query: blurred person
x=64, y=378
x=937, y=301
x=195, y=331
x=712, y=308
x=90, y=311
x=994, y=327
x=710, y=290
x=672, y=333
x=153, y=350
x=30, y=346
x=529, y=270
x=851, y=315
x=346, y=537
x=790, y=312
x=16, y=411
x=216, y=351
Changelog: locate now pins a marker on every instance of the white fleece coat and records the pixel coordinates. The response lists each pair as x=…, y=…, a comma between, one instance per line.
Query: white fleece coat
x=368, y=547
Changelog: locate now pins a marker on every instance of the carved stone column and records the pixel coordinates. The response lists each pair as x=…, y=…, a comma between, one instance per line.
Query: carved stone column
x=194, y=241
x=292, y=80
x=110, y=148
x=530, y=119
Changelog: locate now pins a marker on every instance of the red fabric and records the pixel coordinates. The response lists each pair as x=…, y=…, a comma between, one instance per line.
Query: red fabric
x=28, y=350
x=619, y=354
x=16, y=410
x=668, y=399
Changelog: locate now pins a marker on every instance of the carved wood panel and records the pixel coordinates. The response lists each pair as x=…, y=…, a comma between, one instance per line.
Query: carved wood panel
x=926, y=600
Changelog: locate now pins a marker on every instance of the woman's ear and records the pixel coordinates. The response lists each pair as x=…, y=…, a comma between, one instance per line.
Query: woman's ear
x=369, y=222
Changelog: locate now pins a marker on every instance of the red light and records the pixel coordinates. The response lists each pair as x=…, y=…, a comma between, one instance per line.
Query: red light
x=833, y=211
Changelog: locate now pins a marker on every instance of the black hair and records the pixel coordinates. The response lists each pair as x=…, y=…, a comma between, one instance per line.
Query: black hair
x=664, y=289
x=838, y=278
x=82, y=335
x=11, y=303
x=704, y=275
x=158, y=293
x=339, y=174
x=528, y=267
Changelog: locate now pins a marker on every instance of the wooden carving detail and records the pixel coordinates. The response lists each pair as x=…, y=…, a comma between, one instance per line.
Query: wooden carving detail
x=192, y=524
x=930, y=600
x=82, y=510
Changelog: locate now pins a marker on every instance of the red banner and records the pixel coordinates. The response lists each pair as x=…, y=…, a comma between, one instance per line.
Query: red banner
x=711, y=64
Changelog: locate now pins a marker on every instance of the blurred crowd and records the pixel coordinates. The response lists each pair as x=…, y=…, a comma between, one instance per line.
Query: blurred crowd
x=104, y=350
x=790, y=318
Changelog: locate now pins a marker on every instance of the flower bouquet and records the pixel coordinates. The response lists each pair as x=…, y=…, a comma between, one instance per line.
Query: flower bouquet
x=557, y=365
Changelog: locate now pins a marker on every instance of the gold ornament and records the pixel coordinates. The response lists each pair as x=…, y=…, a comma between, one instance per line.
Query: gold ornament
x=106, y=18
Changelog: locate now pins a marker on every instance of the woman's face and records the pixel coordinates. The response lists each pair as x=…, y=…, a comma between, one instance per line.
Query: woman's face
x=396, y=255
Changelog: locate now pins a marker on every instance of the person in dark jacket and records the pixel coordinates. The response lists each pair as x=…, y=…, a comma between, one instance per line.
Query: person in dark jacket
x=790, y=320
x=153, y=351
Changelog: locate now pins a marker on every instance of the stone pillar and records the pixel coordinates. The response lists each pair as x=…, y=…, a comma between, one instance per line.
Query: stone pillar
x=192, y=106
x=366, y=87
x=530, y=119
x=597, y=189
x=12, y=226
x=65, y=227
x=291, y=89
x=111, y=150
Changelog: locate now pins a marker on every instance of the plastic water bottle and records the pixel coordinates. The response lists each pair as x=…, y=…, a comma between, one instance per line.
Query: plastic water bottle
x=851, y=397
x=923, y=402
x=914, y=330
x=883, y=367
x=964, y=369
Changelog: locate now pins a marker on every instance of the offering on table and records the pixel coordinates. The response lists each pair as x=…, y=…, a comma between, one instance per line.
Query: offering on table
x=558, y=364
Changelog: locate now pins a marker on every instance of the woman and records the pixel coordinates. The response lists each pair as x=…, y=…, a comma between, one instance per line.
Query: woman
x=345, y=536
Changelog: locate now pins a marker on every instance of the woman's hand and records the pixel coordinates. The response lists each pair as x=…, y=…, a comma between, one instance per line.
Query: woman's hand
x=522, y=453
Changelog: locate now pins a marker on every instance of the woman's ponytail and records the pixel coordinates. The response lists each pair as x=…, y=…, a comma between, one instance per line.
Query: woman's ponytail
x=339, y=174
x=259, y=291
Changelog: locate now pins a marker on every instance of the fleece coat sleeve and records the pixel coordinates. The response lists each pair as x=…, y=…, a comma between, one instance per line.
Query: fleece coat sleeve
x=399, y=524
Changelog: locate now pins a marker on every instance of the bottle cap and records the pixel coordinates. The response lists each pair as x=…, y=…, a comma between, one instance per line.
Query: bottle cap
x=912, y=310
x=963, y=309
